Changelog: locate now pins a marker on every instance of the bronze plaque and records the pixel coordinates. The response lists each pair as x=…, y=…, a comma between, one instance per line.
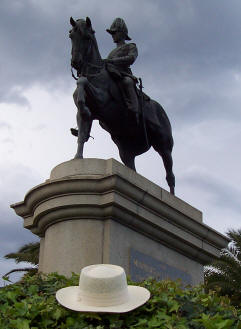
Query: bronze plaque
x=143, y=266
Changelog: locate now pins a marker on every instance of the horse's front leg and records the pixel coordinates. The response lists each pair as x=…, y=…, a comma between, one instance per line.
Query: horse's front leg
x=79, y=97
x=84, y=118
x=84, y=127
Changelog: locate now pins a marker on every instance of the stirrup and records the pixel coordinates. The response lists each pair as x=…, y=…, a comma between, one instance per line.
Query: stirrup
x=74, y=132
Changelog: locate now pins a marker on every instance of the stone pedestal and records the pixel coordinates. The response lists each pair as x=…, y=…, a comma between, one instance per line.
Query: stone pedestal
x=94, y=211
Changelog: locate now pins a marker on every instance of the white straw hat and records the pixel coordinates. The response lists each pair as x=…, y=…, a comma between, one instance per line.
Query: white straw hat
x=102, y=288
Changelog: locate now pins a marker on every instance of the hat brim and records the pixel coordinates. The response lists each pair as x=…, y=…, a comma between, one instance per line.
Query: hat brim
x=113, y=31
x=69, y=298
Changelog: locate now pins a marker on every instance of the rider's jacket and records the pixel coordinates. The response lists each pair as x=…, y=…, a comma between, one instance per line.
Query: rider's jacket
x=123, y=57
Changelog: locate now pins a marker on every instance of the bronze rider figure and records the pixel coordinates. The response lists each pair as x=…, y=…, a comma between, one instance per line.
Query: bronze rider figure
x=120, y=59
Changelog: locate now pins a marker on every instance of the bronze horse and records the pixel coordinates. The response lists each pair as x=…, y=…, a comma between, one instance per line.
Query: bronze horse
x=97, y=97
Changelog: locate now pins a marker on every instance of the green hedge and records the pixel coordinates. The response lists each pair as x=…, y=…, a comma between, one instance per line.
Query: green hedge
x=31, y=304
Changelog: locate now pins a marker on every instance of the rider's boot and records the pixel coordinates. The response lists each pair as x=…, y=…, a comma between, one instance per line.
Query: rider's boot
x=131, y=101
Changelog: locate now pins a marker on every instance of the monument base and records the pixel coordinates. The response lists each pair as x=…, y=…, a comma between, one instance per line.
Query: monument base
x=94, y=211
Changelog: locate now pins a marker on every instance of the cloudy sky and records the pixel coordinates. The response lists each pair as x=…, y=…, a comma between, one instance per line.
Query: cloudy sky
x=189, y=59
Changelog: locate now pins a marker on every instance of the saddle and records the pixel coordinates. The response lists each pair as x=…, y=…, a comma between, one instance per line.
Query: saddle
x=118, y=75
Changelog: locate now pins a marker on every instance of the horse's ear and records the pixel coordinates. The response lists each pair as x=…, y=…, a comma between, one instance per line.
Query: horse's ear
x=88, y=22
x=72, y=21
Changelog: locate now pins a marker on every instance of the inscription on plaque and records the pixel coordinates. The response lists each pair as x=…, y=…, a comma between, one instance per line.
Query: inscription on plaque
x=143, y=266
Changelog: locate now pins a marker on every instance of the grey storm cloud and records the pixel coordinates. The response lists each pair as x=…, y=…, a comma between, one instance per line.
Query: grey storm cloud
x=15, y=180
x=223, y=195
x=12, y=239
x=181, y=45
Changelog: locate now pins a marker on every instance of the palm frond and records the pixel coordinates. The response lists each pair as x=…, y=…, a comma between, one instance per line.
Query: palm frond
x=235, y=236
x=28, y=253
x=26, y=269
x=224, y=274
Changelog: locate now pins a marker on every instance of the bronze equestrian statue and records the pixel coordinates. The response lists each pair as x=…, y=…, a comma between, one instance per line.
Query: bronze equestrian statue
x=106, y=91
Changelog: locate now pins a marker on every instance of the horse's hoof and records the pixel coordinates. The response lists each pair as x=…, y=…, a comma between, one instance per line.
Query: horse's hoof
x=77, y=156
x=172, y=190
x=74, y=132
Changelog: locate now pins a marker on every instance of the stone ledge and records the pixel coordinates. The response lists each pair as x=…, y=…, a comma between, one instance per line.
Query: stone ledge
x=75, y=191
x=112, y=167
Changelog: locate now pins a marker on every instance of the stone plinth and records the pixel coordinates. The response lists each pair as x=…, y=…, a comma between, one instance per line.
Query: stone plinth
x=94, y=211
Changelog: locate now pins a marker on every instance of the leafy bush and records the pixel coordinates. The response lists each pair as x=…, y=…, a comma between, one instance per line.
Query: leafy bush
x=31, y=304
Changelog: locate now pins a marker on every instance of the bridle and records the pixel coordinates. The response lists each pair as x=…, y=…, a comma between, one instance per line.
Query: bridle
x=85, y=63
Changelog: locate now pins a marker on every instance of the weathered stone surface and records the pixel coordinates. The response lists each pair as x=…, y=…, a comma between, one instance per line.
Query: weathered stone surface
x=98, y=211
x=71, y=245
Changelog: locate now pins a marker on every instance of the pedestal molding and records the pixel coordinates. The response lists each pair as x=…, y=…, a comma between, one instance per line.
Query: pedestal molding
x=115, y=193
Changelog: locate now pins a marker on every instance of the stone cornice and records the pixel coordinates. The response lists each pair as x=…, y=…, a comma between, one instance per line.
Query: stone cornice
x=105, y=189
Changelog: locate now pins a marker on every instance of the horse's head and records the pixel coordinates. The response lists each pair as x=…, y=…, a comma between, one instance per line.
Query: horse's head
x=80, y=35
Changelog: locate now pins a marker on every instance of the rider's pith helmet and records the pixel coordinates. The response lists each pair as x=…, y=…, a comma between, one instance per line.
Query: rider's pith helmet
x=119, y=25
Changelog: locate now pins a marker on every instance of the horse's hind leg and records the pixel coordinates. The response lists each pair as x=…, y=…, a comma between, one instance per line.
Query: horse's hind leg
x=127, y=158
x=163, y=145
x=168, y=163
